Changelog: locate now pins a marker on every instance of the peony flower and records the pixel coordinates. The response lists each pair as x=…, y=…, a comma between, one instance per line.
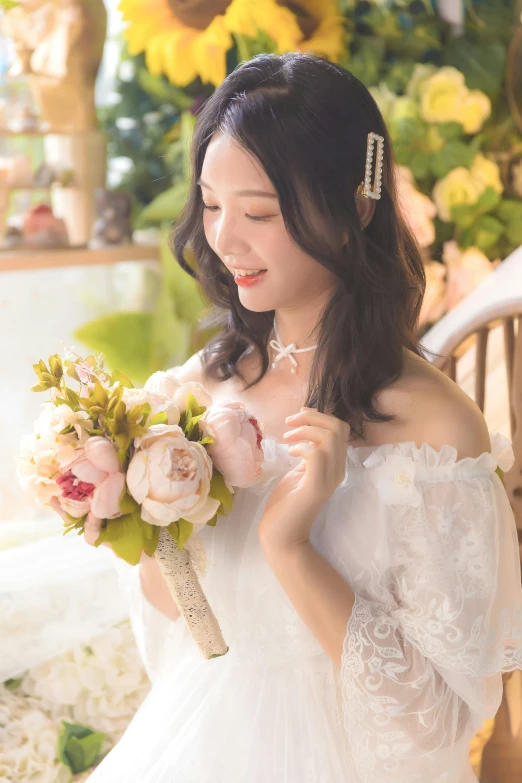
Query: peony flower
x=466, y=269
x=457, y=187
x=238, y=451
x=158, y=402
x=418, y=210
x=93, y=481
x=164, y=383
x=170, y=477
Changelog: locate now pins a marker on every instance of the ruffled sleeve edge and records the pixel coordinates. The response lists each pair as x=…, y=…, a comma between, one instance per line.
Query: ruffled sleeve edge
x=501, y=455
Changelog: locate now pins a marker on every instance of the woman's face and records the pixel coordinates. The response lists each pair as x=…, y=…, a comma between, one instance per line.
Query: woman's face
x=245, y=228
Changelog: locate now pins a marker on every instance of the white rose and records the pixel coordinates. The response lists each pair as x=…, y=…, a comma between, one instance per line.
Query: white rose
x=202, y=396
x=55, y=418
x=158, y=402
x=170, y=477
x=164, y=383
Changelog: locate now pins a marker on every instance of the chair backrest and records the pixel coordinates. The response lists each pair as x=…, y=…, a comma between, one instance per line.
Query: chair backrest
x=496, y=302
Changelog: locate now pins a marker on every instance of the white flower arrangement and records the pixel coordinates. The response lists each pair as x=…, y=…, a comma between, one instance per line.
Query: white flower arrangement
x=100, y=685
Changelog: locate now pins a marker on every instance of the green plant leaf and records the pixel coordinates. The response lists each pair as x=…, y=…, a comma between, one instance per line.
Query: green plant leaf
x=125, y=535
x=164, y=91
x=219, y=490
x=165, y=207
x=160, y=418
x=123, y=380
x=482, y=64
x=185, y=531
x=127, y=503
x=11, y=684
x=124, y=338
x=78, y=746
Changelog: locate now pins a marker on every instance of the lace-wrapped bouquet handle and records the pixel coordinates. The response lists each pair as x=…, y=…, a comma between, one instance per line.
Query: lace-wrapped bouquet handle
x=141, y=470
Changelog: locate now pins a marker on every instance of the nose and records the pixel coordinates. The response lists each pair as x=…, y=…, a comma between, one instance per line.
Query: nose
x=227, y=241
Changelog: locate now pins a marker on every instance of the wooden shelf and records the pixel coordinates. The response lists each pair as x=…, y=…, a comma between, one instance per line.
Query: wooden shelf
x=17, y=260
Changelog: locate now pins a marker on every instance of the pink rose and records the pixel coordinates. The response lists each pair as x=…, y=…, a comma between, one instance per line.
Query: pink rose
x=466, y=270
x=93, y=481
x=238, y=451
x=417, y=209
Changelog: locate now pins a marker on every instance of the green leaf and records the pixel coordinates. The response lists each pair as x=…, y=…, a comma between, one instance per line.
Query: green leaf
x=73, y=397
x=207, y=439
x=124, y=338
x=167, y=206
x=465, y=215
x=482, y=64
x=79, y=746
x=40, y=387
x=173, y=529
x=453, y=154
x=122, y=379
x=488, y=233
x=510, y=210
x=160, y=418
x=212, y=522
x=150, y=537
x=125, y=535
x=11, y=684
x=366, y=61
x=185, y=531
x=127, y=503
x=162, y=90
x=219, y=490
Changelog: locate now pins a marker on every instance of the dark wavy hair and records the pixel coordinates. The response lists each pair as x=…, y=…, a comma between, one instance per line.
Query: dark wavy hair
x=306, y=121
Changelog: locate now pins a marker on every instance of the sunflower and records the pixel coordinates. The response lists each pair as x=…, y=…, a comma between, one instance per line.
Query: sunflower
x=184, y=40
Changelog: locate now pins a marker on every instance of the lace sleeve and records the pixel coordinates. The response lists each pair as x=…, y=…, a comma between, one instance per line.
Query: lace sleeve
x=421, y=669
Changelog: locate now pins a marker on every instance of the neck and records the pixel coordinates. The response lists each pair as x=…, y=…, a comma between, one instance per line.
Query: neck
x=293, y=328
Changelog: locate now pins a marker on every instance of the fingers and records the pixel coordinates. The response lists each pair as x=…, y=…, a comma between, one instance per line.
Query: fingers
x=318, y=435
x=323, y=420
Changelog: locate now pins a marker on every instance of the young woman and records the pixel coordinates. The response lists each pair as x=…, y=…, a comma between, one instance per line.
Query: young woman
x=369, y=584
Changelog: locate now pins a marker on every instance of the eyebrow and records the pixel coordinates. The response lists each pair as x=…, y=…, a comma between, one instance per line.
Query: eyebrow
x=262, y=193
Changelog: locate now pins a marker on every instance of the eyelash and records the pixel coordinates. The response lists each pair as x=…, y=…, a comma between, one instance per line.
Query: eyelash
x=252, y=217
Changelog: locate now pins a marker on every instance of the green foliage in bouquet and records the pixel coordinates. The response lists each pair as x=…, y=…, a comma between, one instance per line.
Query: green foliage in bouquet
x=79, y=746
x=108, y=416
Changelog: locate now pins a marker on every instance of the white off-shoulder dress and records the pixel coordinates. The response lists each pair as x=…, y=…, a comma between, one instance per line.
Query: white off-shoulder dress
x=428, y=544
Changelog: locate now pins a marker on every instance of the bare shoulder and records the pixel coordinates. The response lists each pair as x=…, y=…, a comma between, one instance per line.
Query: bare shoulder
x=430, y=408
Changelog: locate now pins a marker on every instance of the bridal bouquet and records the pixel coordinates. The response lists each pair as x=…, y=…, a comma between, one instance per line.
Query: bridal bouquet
x=143, y=470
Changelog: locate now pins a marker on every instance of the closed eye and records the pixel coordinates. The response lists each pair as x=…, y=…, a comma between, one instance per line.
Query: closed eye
x=256, y=218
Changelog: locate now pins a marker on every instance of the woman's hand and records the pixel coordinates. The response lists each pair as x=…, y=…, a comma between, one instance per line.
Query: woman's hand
x=294, y=504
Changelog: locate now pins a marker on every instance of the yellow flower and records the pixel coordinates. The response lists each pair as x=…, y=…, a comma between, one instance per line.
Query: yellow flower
x=183, y=53
x=444, y=97
x=442, y=94
x=486, y=172
x=244, y=17
x=421, y=74
x=457, y=187
x=474, y=110
x=327, y=39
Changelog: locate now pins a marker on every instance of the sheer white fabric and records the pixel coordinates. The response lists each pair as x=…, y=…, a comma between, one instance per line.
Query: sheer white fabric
x=55, y=593
x=428, y=545
x=438, y=613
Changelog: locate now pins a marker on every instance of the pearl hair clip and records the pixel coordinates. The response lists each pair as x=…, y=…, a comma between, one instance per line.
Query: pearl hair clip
x=365, y=188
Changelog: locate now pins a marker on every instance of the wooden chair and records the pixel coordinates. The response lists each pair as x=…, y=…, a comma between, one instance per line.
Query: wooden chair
x=479, y=344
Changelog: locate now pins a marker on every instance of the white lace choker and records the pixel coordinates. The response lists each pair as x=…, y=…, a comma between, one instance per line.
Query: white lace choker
x=287, y=351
